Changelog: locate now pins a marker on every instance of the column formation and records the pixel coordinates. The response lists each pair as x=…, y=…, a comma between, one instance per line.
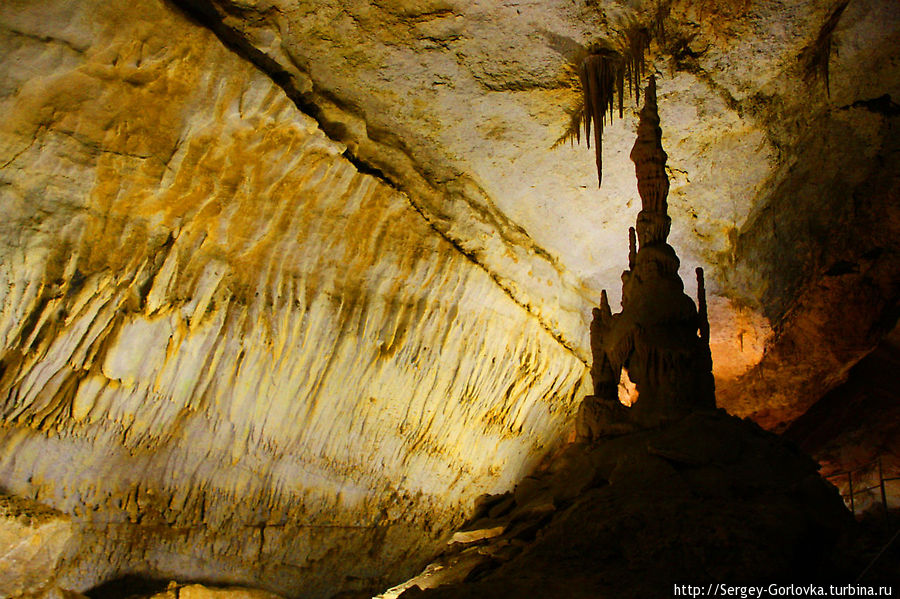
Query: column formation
x=660, y=338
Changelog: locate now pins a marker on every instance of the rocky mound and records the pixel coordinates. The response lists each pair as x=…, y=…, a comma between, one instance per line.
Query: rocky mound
x=707, y=499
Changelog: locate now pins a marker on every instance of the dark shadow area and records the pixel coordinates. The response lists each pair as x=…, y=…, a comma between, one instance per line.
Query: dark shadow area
x=864, y=411
x=128, y=586
x=854, y=431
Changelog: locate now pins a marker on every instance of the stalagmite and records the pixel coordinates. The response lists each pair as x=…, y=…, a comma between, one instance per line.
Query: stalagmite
x=701, y=306
x=660, y=337
x=649, y=159
x=632, y=248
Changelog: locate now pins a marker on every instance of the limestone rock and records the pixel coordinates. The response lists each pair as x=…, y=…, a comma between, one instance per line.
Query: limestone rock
x=33, y=539
x=598, y=418
x=58, y=593
x=707, y=499
x=459, y=102
x=226, y=352
x=303, y=295
x=477, y=533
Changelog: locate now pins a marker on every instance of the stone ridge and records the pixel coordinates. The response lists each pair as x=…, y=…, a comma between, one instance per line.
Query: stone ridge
x=453, y=203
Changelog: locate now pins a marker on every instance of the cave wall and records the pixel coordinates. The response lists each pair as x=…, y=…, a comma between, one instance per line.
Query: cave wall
x=778, y=118
x=854, y=428
x=229, y=354
x=286, y=285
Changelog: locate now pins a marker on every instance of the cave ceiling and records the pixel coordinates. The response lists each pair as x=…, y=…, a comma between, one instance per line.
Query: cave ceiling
x=775, y=114
x=288, y=281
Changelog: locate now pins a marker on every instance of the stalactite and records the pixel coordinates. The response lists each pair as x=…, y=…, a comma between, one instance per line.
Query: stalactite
x=663, y=8
x=636, y=42
x=817, y=56
x=603, y=75
x=600, y=74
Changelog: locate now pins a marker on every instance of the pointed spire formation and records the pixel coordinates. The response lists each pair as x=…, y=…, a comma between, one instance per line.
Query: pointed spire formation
x=632, y=248
x=649, y=159
x=604, y=306
x=661, y=338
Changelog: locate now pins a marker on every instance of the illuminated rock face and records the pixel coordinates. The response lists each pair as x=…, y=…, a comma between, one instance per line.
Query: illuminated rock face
x=32, y=541
x=196, y=591
x=227, y=353
x=232, y=356
x=460, y=103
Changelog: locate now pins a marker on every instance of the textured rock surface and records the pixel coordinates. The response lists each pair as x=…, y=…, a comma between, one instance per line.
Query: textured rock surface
x=199, y=591
x=33, y=540
x=774, y=181
x=229, y=354
x=709, y=499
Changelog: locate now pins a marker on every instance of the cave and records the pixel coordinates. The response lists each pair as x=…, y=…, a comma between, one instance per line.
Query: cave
x=301, y=299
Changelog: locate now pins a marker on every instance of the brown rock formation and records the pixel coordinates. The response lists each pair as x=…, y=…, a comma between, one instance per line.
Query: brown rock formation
x=707, y=499
x=660, y=337
x=649, y=159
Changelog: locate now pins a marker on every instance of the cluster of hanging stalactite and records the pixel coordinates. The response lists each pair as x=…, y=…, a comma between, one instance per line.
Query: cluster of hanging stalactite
x=604, y=74
x=607, y=69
